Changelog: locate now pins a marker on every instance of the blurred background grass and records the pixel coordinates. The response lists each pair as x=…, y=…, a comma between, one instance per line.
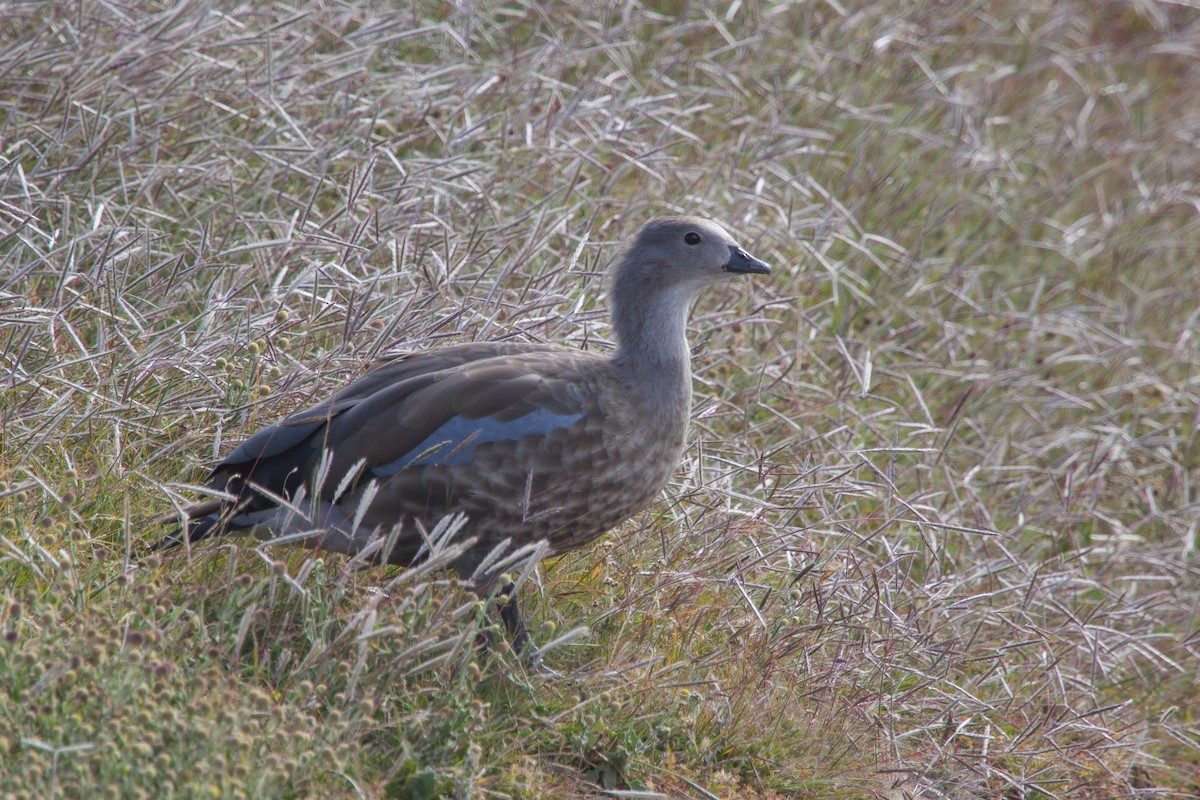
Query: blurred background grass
x=934, y=535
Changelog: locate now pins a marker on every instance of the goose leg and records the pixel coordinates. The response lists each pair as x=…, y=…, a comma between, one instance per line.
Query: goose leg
x=510, y=612
x=518, y=633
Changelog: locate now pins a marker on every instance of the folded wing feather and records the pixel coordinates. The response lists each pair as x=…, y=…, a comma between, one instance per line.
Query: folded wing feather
x=434, y=408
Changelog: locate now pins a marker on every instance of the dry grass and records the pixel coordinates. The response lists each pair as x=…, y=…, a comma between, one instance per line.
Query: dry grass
x=936, y=533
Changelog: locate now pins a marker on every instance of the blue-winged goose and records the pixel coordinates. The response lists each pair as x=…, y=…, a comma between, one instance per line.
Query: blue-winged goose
x=532, y=442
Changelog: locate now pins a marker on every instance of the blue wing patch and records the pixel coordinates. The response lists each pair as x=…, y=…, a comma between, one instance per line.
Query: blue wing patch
x=455, y=441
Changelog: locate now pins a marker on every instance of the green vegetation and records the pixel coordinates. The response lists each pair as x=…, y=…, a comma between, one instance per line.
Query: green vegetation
x=936, y=532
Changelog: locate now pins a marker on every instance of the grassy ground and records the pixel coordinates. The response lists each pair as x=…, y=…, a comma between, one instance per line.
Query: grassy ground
x=935, y=534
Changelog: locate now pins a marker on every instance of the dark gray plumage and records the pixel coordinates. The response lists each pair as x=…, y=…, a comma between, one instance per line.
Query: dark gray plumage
x=531, y=442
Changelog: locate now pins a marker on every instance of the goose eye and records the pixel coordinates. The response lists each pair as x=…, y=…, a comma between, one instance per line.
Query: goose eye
x=691, y=237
